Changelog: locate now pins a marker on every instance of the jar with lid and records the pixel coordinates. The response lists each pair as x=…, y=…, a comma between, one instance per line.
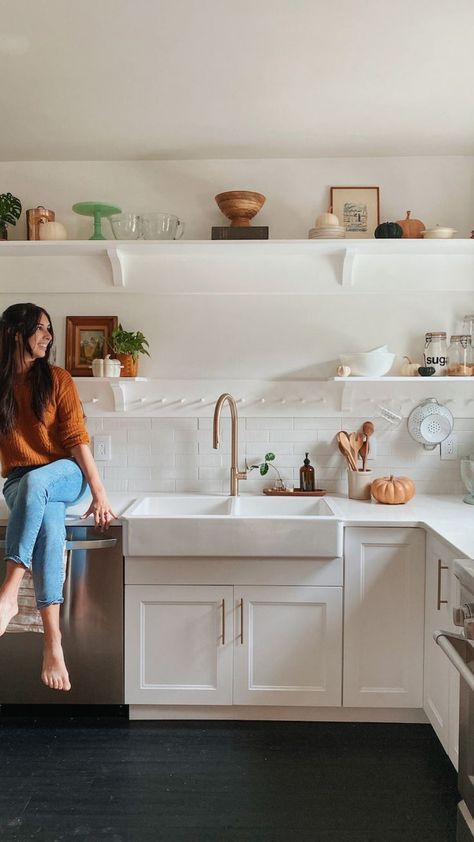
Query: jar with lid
x=436, y=353
x=460, y=358
x=468, y=324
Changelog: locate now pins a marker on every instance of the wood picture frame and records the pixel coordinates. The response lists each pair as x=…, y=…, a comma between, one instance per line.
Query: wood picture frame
x=85, y=341
x=358, y=209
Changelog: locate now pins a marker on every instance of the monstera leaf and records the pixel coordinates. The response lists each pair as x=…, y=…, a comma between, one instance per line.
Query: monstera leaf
x=10, y=208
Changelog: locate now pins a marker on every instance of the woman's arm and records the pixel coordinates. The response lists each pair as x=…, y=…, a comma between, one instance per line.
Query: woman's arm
x=100, y=506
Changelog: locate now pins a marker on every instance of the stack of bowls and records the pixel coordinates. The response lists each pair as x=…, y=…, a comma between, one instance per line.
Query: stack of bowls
x=374, y=363
x=327, y=227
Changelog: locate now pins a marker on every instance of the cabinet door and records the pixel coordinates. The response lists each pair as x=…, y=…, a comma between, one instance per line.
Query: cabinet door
x=383, y=617
x=178, y=646
x=288, y=646
x=437, y=616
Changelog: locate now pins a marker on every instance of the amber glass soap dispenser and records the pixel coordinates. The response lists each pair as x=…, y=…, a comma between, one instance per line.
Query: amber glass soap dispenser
x=306, y=476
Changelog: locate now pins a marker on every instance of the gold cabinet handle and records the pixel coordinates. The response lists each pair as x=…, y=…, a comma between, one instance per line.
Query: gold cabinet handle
x=440, y=601
x=223, y=622
x=241, y=621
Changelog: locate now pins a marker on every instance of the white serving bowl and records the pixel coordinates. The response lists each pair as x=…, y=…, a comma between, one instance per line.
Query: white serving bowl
x=368, y=365
x=438, y=233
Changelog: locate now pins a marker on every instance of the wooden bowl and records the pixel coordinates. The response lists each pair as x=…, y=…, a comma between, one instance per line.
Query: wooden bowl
x=240, y=206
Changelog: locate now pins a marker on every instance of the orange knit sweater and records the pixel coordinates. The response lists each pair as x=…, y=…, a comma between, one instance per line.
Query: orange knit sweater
x=38, y=443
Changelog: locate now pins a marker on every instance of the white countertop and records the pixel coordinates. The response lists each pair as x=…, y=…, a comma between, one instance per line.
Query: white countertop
x=444, y=516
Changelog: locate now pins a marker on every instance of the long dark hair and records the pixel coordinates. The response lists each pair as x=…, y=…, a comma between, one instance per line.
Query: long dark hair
x=22, y=319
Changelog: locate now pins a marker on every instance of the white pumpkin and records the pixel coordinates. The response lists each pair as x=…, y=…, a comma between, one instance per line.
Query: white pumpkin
x=326, y=219
x=409, y=369
x=52, y=231
x=343, y=371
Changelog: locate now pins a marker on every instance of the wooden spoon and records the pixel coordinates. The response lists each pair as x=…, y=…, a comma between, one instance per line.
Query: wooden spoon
x=356, y=440
x=345, y=448
x=368, y=430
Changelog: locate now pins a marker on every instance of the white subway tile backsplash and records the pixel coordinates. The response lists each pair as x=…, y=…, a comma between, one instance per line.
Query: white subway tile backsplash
x=176, y=454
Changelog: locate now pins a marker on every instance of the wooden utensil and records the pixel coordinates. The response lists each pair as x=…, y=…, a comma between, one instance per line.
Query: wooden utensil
x=345, y=448
x=368, y=430
x=356, y=440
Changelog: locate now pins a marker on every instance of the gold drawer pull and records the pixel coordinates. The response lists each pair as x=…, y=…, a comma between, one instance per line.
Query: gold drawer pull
x=241, y=621
x=223, y=622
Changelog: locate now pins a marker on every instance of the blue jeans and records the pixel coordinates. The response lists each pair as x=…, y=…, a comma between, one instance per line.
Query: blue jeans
x=37, y=499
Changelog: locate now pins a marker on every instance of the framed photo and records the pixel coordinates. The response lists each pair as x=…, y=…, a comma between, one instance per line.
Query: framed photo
x=358, y=209
x=86, y=341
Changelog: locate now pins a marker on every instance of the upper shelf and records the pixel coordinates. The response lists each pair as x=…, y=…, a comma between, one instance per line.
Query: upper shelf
x=268, y=267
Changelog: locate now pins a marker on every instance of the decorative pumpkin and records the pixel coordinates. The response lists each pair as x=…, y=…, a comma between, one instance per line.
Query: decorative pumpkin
x=343, y=371
x=388, y=230
x=411, y=228
x=409, y=369
x=426, y=370
x=52, y=231
x=325, y=219
x=392, y=490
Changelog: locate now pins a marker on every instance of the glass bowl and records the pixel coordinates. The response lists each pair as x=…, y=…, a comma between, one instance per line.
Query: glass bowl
x=126, y=226
x=467, y=475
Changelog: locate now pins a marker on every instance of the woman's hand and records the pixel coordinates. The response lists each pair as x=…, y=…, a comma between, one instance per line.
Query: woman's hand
x=102, y=511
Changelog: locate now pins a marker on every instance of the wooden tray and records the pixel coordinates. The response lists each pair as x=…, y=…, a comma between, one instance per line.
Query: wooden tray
x=280, y=492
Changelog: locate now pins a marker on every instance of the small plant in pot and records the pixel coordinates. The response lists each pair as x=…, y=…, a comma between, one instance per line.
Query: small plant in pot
x=126, y=347
x=10, y=210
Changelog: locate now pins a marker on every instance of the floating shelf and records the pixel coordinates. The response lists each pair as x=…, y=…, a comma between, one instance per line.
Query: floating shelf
x=269, y=267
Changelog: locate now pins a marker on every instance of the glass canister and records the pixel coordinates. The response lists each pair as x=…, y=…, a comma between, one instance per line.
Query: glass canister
x=460, y=359
x=436, y=352
x=468, y=324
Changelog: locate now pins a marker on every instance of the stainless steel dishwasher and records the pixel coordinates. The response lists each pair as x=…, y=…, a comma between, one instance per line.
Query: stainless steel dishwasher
x=91, y=626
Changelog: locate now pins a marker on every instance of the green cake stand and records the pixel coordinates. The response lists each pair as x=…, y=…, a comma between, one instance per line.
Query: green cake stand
x=97, y=210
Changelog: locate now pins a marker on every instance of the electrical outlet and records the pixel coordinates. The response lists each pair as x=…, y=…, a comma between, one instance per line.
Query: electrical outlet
x=372, y=448
x=102, y=448
x=449, y=447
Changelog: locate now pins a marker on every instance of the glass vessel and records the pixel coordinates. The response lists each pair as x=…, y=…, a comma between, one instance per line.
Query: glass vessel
x=436, y=353
x=467, y=475
x=460, y=359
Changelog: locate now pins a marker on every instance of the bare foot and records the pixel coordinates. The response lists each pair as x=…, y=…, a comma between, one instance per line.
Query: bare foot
x=8, y=610
x=54, y=673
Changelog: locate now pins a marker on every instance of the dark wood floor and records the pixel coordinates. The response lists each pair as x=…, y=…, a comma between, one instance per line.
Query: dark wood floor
x=85, y=779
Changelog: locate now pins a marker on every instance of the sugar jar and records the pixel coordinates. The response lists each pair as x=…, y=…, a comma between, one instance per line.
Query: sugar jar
x=436, y=354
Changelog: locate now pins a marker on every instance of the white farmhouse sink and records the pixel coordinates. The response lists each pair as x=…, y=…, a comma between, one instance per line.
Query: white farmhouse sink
x=251, y=526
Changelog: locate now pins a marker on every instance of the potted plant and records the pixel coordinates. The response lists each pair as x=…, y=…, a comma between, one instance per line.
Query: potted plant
x=10, y=210
x=127, y=346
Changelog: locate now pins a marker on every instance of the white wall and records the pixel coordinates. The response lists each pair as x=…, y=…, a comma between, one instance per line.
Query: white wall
x=250, y=336
x=435, y=189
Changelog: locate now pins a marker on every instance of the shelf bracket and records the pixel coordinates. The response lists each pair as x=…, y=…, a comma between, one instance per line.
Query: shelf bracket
x=116, y=261
x=348, y=267
x=118, y=393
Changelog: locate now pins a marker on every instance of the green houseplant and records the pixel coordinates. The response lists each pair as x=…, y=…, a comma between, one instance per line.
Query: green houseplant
x=127, y=346
x=10, y=210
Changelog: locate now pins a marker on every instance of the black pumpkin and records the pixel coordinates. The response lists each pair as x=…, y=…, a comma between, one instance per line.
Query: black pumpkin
x=388, y=229
x=426, y=370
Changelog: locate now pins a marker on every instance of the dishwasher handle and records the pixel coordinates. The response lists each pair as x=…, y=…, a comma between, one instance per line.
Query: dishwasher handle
x=92, y=544
x=459, y=651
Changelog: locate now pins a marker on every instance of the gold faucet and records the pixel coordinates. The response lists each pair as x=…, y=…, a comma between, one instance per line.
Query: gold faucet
x=235, y=474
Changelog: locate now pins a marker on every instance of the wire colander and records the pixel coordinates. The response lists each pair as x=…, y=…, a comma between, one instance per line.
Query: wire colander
x=430, y=423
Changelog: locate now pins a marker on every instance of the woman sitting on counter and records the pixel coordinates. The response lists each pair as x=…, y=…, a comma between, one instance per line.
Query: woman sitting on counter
x=47, y=462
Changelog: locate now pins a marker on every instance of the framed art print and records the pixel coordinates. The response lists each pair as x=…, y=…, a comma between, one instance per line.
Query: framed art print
x=358, y=209
x=86, y=340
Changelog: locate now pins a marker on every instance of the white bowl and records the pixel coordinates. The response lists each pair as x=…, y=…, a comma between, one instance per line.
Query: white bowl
x=372, y=365
x=438, y=233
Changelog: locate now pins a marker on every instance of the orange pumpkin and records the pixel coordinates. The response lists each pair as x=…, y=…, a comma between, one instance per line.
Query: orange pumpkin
x=392, y=490
x=411, y=228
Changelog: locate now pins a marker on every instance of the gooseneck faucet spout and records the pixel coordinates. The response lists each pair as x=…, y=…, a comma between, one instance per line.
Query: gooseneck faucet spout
x=235, y=474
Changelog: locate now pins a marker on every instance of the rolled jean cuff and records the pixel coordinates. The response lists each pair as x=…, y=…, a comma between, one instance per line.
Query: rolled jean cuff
x=18, y=560
x=45, y=603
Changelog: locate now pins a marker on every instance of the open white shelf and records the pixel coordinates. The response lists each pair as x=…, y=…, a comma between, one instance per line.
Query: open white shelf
x=389, y=379
x=269, y=267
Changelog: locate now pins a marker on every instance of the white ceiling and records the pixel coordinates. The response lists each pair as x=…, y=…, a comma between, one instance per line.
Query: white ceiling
x=116, y=79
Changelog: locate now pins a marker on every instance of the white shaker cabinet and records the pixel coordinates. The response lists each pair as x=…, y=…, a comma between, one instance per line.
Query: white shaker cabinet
x=288, y=646
x=383, y=617
x=178, y=645
x=441, y=695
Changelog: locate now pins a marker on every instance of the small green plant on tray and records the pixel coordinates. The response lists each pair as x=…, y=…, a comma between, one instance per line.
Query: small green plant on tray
x=265, y=466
